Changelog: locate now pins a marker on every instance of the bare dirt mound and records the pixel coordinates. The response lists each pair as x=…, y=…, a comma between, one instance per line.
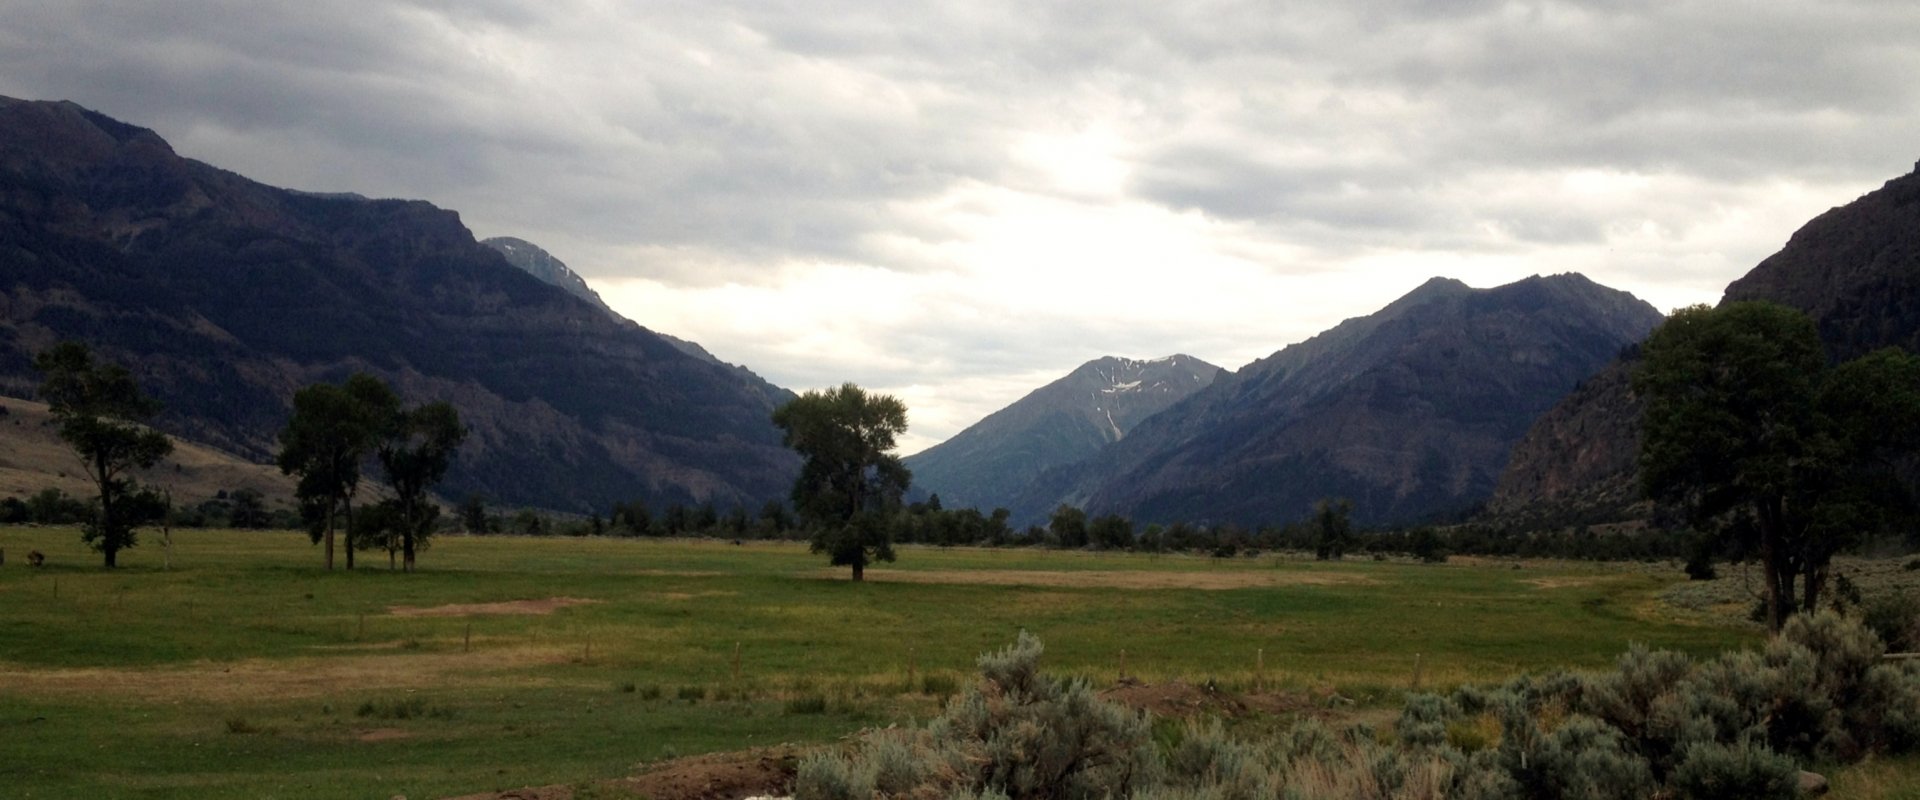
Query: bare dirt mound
x=717, y=776
x=531, y=607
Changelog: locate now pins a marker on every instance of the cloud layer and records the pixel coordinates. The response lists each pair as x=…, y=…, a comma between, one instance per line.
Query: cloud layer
x=960, y=201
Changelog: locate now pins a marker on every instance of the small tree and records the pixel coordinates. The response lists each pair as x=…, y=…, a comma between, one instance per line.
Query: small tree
x=1068, y=526
x=100, y=410
x=850, y=479
x=1333, y=532
x=415, y=450
x=473, y=513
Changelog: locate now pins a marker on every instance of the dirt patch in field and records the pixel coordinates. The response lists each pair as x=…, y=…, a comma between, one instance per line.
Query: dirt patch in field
x=718, y=776
x=1107, y=579
x=1566, y=582
x=691, y=595
x=528, y=607
x=381, y=735
x=253, y=679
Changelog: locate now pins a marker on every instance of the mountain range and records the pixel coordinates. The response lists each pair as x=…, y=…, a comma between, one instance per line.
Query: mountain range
x=1061, y=423
x=225, y=295
x=1410, y=412
x=1854, y=269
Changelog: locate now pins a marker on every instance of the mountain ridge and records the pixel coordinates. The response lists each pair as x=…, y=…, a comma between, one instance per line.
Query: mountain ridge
x=1409, y=411
x=225, y=295
x=1855, y=269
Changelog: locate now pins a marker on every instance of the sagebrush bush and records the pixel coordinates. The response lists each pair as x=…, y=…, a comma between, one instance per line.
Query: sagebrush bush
x=1714, y=771
x=1658, y=725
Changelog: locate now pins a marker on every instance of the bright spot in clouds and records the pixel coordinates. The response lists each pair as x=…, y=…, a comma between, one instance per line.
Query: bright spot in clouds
x=959, y=202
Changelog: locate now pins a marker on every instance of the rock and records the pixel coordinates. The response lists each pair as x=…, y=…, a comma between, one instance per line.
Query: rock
x=1812, y=784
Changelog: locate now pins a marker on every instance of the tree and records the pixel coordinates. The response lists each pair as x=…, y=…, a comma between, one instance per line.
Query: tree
x=100, y=410
x=1111, y=532
x=850, y=478
x=249, y=509
x=473, y=513
x=1334, y=532
x=326, y=439
x=1068, y=526
x=1750, y=434
x=415, y=449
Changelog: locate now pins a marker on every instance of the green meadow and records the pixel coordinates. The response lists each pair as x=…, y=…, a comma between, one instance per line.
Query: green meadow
x=246, y=670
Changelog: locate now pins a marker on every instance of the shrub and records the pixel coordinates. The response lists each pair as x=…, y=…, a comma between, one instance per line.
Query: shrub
x=1710, y=771
x=808, y=704
x=692, y=694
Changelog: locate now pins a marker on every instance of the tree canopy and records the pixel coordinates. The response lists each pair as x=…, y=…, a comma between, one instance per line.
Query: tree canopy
x=415, y=449
x=100, y=410
x=328, y=436
x=1751, y=434
x=850, y=474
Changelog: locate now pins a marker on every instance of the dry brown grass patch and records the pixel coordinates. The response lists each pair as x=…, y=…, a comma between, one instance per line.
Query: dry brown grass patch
x=258, y=679
x=1106, y=579
x=530, y=607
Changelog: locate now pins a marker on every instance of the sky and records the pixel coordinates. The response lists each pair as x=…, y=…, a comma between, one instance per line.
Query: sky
x=958, y=202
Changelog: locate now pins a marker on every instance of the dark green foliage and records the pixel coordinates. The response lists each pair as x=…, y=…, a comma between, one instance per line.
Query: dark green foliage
x=1111, y=532
x=850, y=478
x=331, y=431
x=1068, y=527
x=473, y=514
x=1333, y=531
x=415, y=447
x=100, y=409
x=1749, y=433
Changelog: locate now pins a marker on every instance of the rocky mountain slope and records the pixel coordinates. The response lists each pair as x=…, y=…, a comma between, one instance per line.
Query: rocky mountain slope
x=543, y=265
x=1854, y=269
x=1057, y=424
x=225, y=296
x=1410, y=412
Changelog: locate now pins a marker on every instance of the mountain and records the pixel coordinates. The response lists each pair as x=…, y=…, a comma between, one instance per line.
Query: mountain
x=1410, y=412
x=224, y=296
x=1057, y=424
x=1854, y=269
x=542, y=264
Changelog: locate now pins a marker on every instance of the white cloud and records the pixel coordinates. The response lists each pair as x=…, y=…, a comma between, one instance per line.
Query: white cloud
x=959, y=201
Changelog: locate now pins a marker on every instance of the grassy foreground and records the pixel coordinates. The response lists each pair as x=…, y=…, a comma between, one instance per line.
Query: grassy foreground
x=247, y=671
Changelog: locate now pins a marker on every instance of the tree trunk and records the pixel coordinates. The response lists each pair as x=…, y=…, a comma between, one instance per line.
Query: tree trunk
x=349, y=533
x=859, y=572
x=329, y=535
x=1770, y=561
x=406, y=546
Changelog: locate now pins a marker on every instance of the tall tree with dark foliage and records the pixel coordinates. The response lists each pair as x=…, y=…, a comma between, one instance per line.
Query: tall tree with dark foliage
x=100, y=409
x=1753, y=435
x=851, y=477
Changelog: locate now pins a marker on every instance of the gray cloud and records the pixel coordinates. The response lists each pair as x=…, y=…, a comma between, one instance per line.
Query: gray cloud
x=703, y=145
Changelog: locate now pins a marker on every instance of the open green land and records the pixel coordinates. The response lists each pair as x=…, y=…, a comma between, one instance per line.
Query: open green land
x=248, y=671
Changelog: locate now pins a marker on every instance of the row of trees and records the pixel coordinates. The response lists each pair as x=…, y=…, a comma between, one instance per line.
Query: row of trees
x=335, y=431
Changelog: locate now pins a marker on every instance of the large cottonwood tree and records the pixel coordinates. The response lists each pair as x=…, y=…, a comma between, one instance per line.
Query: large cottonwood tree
x=851, y=480
x=1753, y=435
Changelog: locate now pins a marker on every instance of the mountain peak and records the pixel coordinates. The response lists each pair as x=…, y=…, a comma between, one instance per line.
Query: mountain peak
x=1067, y=420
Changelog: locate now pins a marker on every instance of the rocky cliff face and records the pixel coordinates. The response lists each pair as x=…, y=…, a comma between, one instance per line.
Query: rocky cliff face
x=1058, y=424
x=539, y=263
x=1855, y=270
x=1410, y=412
x=225, y=296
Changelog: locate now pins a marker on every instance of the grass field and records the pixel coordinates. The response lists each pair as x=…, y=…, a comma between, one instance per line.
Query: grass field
x=247, y=671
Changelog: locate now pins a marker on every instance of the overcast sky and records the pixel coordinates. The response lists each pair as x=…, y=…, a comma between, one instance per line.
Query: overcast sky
x=958, y=202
